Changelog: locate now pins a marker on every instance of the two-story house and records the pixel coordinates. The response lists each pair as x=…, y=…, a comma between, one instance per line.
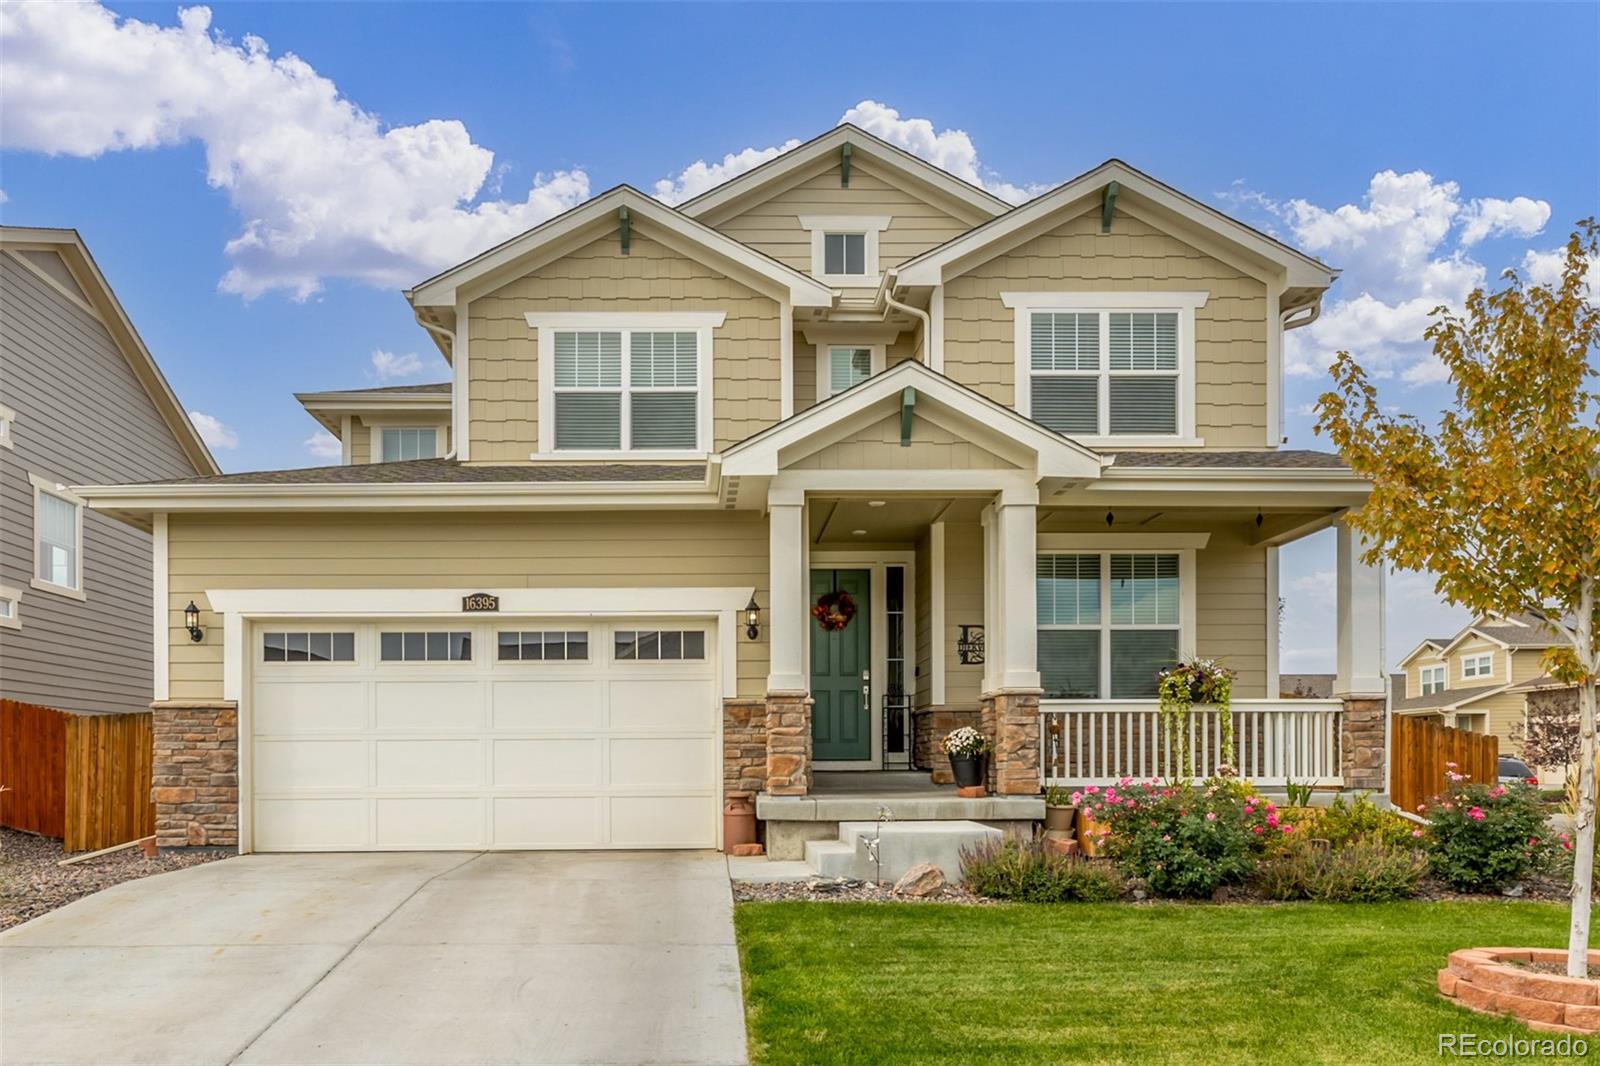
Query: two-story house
x=745, y=495
x=1479, y=679
x=81, y=400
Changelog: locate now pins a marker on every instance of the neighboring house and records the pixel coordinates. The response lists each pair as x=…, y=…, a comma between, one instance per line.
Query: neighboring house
x=1479, y=679
x=81, y=400
x=1306, y=686
x=1037, y=448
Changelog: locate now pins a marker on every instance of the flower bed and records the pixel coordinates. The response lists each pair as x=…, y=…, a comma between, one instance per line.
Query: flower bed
x=1501, y=981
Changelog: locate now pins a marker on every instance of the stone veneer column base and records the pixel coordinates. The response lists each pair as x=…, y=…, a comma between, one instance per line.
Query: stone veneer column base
x=1363, y=741
x=1011, y=720
x=931, y=724
x=195, y=773
x=744, y=747
x=788, y=743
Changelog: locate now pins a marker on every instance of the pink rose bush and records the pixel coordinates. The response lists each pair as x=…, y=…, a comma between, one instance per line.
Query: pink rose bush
x=1484, y=836
x=1183, y=840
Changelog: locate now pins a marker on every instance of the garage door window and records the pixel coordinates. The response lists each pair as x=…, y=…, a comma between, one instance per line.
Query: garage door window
x=656, y=645
x=420, y=647
x=545, y=646
x=308, y=647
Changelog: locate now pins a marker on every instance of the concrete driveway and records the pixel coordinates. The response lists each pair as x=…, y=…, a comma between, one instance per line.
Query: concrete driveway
x=527, y=957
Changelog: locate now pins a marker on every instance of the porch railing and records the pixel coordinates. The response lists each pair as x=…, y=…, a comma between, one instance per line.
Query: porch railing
x=1274, y=741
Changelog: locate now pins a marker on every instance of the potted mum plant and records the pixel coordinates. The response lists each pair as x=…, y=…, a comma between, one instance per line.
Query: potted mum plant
x=967, y=749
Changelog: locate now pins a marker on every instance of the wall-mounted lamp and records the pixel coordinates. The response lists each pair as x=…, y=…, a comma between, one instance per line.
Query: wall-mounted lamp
x=191, y=622
x=752, y=618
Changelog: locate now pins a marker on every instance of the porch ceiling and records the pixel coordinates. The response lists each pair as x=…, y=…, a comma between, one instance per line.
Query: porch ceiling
x=899, y=520
x=1277, y=525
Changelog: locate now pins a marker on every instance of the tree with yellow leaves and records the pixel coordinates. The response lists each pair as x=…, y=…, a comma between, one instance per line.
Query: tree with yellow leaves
x=1502, y=502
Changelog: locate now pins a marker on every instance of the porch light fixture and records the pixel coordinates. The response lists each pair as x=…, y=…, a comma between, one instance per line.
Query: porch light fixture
x=752, y=618
x=1110, y=518
x=1260, y=518
x=191, y=622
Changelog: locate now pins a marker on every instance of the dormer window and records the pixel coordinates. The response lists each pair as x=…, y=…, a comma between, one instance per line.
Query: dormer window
x=398, y=443
x=844, y=248
x=1111, y=369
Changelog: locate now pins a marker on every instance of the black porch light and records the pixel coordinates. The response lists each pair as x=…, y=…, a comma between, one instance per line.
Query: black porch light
x=191, y=622
x=752, y=618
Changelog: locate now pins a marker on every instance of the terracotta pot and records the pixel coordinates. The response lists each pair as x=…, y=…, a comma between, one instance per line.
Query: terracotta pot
x=1063, y=818
x=738, y=822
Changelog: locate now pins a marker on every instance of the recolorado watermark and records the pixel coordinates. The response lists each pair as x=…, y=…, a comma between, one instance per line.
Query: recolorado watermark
x=1472, y=1046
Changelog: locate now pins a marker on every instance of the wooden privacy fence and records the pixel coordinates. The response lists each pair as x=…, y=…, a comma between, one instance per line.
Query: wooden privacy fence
x=1419, y=749
x=84, y=778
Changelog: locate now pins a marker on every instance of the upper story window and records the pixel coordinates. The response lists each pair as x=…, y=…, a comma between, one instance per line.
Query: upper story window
x=397, y=443
x=1432, y=679
x=845, y=365
x=1478, y=665
x=57, y=538
x=844, y=248
x=626, y=383
x=1112, y=368
x=8, y=419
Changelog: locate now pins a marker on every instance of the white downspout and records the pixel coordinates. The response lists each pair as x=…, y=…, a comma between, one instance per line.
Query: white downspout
x=455, y=431
x=927, y=322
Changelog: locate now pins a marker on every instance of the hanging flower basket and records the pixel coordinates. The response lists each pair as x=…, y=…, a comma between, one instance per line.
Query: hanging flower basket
x=1197, y=682
x=834, y=610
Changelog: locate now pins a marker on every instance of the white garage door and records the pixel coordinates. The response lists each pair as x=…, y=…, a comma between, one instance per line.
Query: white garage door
x=511, y=734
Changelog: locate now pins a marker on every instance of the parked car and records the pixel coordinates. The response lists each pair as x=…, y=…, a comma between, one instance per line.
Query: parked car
x=1516, y=770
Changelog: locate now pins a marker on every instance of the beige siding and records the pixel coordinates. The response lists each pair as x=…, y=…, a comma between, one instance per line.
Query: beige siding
x=963, y=605
x=773, y=226
x=83, y=417
x=482, y=550
x=503, y=351
x=1230, y=330
x=1231, y=609
x=877, y=447
x=805, y=374
x=360, y=442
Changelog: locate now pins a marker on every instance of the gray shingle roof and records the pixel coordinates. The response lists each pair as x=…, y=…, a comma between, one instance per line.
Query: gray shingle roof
x=449, y=471
x=440, y=387
x=1262, y=460
x=1446, y=698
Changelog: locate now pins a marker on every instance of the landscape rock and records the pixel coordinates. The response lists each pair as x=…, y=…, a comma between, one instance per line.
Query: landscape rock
x=924, y=879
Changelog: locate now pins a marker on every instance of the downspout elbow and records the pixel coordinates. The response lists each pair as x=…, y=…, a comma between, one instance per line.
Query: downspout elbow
x=926, y=319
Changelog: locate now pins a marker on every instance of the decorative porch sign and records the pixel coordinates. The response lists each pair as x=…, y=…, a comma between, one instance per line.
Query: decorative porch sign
x=480, y=601
x=969, y=646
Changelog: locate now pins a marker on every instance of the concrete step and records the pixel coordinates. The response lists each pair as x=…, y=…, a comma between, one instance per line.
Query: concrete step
x=901, y=845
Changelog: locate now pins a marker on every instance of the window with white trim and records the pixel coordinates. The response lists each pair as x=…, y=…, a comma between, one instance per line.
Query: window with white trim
x=1477, y=665
x=844, y=248
x=10, y=607
x=844, y=254
x=626, y=390
x=1109, y=622
x=843, y=366
x=57, y=538
x=1431, y=678
x=8, y=419
x=1105, y=373
x=398, y=443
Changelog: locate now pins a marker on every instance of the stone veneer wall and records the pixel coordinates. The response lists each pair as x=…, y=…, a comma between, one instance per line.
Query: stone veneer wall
x=195, y=773
x=788, y=743
x=744, y=747
x=930, y=724
x=1011, y=721
x=1363, y=742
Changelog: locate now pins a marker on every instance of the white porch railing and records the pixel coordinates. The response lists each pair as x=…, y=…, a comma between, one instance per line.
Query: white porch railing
x=1274, y=741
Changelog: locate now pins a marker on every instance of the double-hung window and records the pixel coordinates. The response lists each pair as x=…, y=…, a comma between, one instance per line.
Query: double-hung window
x=1111, y=367
x=1109, y=622
x=626, y=387
x=1477, y=665
x=397, y=443
x=57, y=539
x=1432, y=679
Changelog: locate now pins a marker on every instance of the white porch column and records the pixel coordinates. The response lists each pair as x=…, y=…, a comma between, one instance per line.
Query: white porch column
x=993, y=630
x=786, y=614
x=1360, y=608
x=1016, y=527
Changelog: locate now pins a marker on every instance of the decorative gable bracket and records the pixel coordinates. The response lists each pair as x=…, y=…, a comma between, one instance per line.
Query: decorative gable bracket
x=1108, y=205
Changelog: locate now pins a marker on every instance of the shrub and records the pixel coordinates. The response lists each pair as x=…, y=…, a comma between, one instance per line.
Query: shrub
x=1342, y=824
x=1026, y=872
x=1482, y=837
x=1183, y=840
x=1366, y=871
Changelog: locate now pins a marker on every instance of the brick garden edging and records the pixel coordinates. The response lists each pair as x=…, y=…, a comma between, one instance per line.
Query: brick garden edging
x=1484, y=980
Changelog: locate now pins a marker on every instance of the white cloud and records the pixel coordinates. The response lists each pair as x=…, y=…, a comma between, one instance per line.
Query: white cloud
x=324, y=445
x=1518, y=217
x=1545, y=268
x=386, y=366
x=951, y=150
x=1404, y=251
x=4, y=199
x=213, y=431
x=326, y=189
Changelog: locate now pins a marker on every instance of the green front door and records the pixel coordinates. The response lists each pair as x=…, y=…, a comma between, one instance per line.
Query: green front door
x=841, y=719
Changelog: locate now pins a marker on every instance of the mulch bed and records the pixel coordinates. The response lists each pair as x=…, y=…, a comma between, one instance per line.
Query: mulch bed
x=1560, y=970
x=844, y=890
x=32, y=884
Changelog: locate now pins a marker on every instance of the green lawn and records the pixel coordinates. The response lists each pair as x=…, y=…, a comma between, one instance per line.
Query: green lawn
x=1300, y=983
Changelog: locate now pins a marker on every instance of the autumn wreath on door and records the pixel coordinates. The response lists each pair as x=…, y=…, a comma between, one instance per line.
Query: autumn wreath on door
x=834, y=610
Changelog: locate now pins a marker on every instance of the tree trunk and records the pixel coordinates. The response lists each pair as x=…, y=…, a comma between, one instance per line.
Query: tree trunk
x=1583, y=845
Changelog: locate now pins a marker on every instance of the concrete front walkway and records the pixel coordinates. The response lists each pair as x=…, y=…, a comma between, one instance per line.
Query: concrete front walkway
x=526, y=957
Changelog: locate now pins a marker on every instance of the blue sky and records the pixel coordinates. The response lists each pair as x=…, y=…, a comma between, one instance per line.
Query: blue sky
x=258, y=214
